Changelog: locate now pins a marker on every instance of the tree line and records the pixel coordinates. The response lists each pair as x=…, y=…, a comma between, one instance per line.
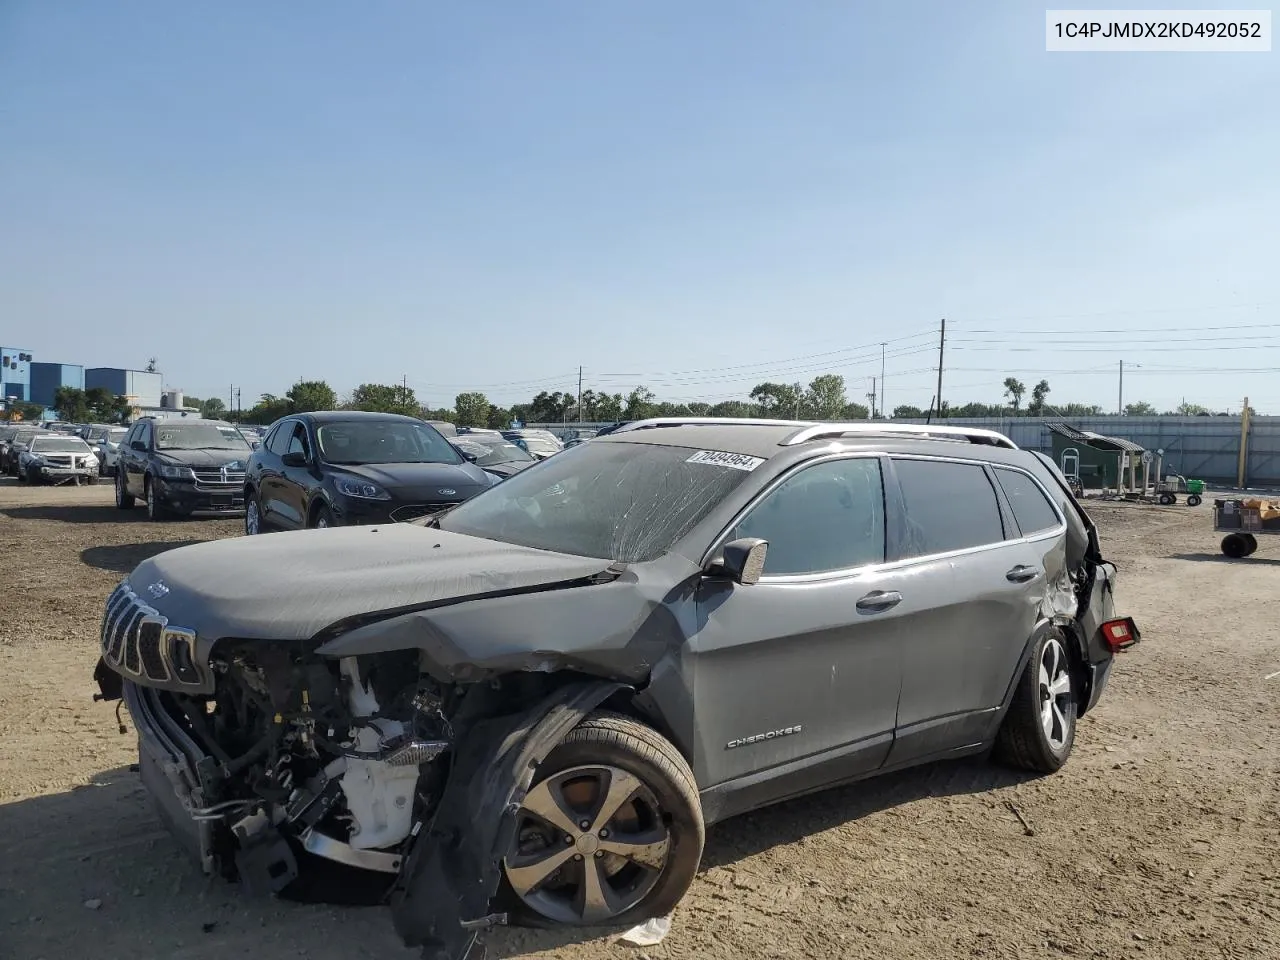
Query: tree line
x=824, y=398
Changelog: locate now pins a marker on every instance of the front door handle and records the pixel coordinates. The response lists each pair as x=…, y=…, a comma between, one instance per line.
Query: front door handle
x=1022, y=574
x=878, y=600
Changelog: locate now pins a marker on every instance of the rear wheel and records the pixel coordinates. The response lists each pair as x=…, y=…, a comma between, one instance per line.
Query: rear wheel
x=610, y=833
x=252, y=515
x=1167, y=499
x=1193, y=500
x=1040, y=728
x=1251, y=542
x=124, y=499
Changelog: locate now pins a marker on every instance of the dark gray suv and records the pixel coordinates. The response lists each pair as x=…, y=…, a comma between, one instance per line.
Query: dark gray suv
x=528, y=708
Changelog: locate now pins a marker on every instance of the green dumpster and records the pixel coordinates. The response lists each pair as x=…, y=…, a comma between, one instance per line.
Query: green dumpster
x=1195, y=486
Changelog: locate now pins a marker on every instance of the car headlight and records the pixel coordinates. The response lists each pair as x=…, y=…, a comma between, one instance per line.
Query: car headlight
x=361, y=489
x=91, y=461
x=174, y=473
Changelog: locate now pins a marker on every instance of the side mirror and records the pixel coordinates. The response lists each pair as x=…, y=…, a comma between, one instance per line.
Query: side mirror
x=294, y=459
x=139, y=446
x=469, y=457
x=742, y=561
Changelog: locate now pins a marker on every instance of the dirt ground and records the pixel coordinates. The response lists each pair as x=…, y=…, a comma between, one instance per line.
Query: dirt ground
x=1159, y=839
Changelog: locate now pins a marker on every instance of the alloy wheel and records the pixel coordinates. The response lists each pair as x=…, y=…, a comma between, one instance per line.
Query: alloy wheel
x=151, y=501
x=119, y=489
x=252, y=521
x=591, y=844
x=1054, y=683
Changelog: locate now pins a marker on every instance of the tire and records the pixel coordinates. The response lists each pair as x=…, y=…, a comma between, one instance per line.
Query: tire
x=1193, y=500
x=33, y=476
x=124, y=501
x=1252, y=543
x=321, y=518
x=21, y=477
x=252, y=514
x=1029, y=738
x=156, y=511
x=1235, y=546
x=1167, y=499
x=663, y=804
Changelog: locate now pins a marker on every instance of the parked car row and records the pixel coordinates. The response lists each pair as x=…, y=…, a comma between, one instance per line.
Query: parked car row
x=320, y=469
x=36, y=455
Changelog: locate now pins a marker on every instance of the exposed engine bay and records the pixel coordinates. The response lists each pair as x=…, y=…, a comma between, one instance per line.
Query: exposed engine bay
x=338, y=759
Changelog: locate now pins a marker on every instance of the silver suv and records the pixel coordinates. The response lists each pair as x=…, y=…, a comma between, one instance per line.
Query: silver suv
x=528, y=708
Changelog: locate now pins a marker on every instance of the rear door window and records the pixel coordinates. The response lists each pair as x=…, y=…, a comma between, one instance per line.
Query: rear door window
x=949, y=506
x=1031, y=508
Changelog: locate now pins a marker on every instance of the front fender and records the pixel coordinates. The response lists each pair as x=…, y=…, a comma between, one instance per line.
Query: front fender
x=441, y=899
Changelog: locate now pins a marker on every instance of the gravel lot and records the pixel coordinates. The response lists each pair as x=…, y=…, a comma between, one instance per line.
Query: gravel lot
x=1159, y=839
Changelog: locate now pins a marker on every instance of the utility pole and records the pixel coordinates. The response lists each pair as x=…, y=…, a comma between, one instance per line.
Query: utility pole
x=1242, y=470
x=579, y=393
x=942, y=345
x=1120, y=398
x=872, y=397
x=882, y=346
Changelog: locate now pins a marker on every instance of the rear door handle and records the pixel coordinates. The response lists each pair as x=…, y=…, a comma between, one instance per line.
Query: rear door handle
x=878, y=600
x=1022, y=573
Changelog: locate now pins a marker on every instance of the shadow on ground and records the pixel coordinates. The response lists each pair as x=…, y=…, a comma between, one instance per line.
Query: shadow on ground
x=76, y=513
x=1221, y=558
x=123, y=557
x=103, y=843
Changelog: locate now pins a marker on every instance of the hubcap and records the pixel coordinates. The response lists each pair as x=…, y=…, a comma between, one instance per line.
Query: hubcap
x=251, y=518
x=151, y=500
x=1055, y=694
x=590, y=845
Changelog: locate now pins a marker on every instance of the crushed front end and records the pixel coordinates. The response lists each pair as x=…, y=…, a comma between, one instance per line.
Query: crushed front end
x=262, y=755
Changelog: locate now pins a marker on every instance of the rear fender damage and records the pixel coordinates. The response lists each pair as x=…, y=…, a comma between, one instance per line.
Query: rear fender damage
x=441, y=901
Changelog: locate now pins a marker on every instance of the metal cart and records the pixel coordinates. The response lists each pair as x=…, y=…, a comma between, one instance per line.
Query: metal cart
x=1242, y=525
x=1167, y=490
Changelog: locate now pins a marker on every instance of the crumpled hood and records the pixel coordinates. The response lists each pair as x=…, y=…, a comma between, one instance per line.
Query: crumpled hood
x=422, y=481
x=289, y=586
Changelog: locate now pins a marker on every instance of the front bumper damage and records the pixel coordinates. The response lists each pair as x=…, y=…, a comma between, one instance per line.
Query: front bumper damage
x=441, y=898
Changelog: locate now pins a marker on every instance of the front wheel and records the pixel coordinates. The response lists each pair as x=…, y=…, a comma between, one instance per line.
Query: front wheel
x=1167, y=499
x=1193, y=500
x=1040, y=728
x=1252, y=543
x=611, y=831
x=156, y=510
x=322, y=519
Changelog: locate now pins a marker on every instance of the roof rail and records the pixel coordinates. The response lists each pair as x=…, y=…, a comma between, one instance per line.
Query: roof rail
x=709, y=421
x=921, y=431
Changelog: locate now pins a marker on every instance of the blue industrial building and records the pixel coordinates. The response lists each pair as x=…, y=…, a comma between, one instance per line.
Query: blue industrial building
x=46, y=378
x=142, y=388
x=15, y=374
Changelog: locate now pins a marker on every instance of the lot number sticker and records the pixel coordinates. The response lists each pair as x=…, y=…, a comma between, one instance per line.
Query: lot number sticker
x=738, y=461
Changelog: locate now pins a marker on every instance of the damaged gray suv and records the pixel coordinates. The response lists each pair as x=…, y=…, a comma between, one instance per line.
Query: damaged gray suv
x=528, y=708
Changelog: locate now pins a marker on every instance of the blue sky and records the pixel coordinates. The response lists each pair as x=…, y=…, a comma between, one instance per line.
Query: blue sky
x=693, y=196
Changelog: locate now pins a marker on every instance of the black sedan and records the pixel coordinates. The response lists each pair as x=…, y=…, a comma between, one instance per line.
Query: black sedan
x=493, y=453
x=343, y=468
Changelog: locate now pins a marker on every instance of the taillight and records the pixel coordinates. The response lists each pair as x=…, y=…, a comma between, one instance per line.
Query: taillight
x=1120, y=634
